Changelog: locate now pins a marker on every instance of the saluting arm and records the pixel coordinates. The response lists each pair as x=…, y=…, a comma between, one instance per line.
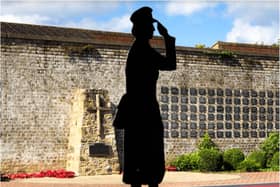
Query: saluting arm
x=170, y=59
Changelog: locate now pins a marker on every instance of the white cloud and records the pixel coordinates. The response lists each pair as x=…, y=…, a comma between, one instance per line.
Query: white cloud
x=254, y=22
x=243, y=31
x=187, y=7
x=259, y=12
x=87, y=14
x=118, y=24
x=32, y=19
x=59, y=8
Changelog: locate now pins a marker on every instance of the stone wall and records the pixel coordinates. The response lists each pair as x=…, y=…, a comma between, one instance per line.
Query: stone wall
x=92, y=143
x=233, y=97
x=39, y=81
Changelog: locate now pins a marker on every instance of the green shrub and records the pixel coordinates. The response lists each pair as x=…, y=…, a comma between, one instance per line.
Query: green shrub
x=270, y=146
x=194, y=159
x=232, y=158
x=182, y=162
x=200, y=46
x=274, y=164
x=253, y=162
x=186, y=162
x=206, y=143
x=258, y=157
x=249, y=165
x=210, y=160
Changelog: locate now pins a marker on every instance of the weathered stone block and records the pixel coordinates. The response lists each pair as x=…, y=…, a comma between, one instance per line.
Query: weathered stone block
x=184, y=91
x=211, y=108
x=174, y=134
x=262, y=134
x=164, y=116
x=193, y=91
x=174, y=91
x=211, y=117
x=184, y=108
x=174, y=108
x=184, y=134
x=211, y=100
x=193, y=125
x=164, y=99
x=164, y=108
x=228, y=101
x=220, y=134
x=220, y=126
x=184, y=99
x=174, y=99
x=236, y=125
x=270, y=94
x=202, y=91
x=254, y=126
x=228, y=92
x=211, y=92
x=193, y=134
x=220, y=92
x=237, y=93
x=220, y=100
x=236, y=134
x=202, y=108
x=193, y=108
x=202, y=125
x=184, y=117
x=193, y=100
x=202, y=100
x=174, y=116
x=174, y=125
x=228, y=125
x=211, y=125
x=164, y=90
x=220, y=117
x=193, y=117
x=184, y=125
x=245, y=134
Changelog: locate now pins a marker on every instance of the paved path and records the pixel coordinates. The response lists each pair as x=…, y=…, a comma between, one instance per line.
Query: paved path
x=171, y=179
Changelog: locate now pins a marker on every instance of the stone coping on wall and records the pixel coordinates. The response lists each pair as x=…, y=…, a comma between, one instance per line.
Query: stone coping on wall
x=77, y=35
x=249, y=48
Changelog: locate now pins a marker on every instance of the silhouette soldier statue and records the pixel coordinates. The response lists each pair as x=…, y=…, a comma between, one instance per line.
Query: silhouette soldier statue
x=138, y=111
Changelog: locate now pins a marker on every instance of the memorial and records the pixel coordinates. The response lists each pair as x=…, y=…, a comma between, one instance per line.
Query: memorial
x=59, y=93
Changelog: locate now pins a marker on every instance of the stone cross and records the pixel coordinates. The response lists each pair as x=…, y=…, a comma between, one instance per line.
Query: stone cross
x=99, y=110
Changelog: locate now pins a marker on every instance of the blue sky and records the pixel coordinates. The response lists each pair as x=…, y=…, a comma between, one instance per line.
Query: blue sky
x=191, y=22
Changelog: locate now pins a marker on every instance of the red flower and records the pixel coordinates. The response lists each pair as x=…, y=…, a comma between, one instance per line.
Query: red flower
x=171, y=168
x=49, y=173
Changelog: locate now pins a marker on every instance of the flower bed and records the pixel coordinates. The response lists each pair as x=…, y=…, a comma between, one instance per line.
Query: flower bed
x=171, y=168
x=49, y=173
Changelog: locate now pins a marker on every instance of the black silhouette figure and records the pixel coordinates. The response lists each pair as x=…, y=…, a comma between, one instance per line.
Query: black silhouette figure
x=138, y=111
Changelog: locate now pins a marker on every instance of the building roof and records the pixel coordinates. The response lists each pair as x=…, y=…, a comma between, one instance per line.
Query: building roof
x=52, y=33
x=62, y=34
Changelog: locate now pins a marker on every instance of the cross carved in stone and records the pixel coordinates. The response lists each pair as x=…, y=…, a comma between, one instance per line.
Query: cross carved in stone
x=99, y=110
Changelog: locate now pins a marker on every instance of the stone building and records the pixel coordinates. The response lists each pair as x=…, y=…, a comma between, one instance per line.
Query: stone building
x=59, y=89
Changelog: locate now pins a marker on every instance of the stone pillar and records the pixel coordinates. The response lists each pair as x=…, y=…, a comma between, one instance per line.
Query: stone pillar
x=92, y=146
x=75, y=136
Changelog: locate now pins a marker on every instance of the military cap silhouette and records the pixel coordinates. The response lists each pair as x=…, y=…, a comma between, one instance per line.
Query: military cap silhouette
x=142, y=15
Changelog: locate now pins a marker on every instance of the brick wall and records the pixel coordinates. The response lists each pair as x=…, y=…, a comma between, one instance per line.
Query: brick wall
x=38, y=82
x=247, y=48
x=233, y=97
